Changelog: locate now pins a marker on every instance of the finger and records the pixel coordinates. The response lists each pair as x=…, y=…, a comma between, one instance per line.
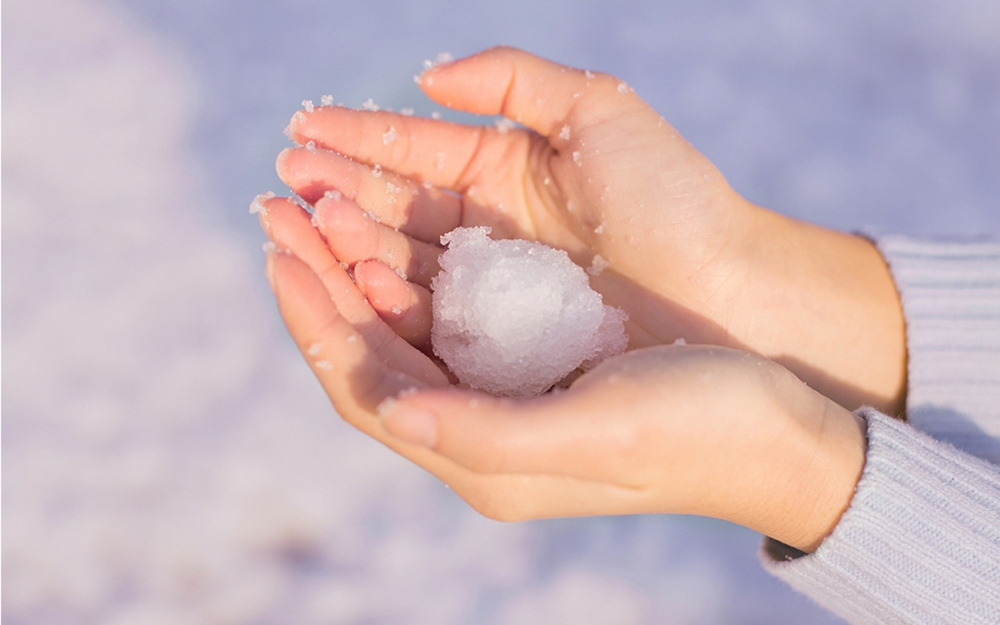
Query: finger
x=547, y=435
x=289, y=227
x=403, y=306
x=540, y=94
x=354, y=236
x=423, y=213
x=421, y=149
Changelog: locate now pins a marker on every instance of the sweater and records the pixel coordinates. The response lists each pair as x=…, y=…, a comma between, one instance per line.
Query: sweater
x=920, y=541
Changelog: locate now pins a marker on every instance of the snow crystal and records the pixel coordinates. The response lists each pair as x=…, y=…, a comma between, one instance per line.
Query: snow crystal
x=439, y=159
x=576, y=158
x=622, y=87
x=680, y=341
x=307, y=105
x=269, y=247
x=401, y=273
x=597, y=265
x=325, y=365
x=369, y=105
x=564, y=133
x=353, y=338
x=588, y=73
x=314, y=349
x=377, y=170
x=257, y=205
x=311, y=146
x=599, y=229
x=391, y=188
x=514, y=317
x=332, y=194
x=326, y=100
x=389, y=136
x=435, y=115
x=396, y=310
x=443, y=57
x=504, y=125
x=406, y=112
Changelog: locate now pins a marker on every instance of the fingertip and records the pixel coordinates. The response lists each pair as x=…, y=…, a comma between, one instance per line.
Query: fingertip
x=408, y=424
x=386, y=291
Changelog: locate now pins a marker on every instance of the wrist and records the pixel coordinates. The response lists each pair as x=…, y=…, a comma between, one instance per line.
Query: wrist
x=827, y=309
x=814, y=469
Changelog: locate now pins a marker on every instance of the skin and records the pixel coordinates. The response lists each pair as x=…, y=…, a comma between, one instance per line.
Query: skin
x=725, y=428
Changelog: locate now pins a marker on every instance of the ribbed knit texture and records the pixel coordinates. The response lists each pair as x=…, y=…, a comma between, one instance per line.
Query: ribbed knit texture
x=951, y=300
x=920, y=542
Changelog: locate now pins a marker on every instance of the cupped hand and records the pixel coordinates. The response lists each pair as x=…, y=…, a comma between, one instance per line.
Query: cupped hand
x=668, y=429
x=596, y=172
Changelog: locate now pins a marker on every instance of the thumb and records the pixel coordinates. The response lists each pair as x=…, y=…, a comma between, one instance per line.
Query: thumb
x=487, y=434
x=530, y=90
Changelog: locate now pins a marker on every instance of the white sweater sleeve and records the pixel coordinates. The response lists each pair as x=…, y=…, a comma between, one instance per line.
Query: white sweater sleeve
x=920, y=542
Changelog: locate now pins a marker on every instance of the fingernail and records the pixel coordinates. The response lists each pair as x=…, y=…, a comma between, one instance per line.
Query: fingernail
x=412, y=425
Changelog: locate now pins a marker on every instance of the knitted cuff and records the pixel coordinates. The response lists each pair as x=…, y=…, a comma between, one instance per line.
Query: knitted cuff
x=951, y=300
x=920, y=542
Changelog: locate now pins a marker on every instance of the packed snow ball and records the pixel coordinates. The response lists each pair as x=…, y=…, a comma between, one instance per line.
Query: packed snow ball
x=514, y=317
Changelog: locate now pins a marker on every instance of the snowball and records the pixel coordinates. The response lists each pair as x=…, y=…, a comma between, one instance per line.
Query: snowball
x=515, y=317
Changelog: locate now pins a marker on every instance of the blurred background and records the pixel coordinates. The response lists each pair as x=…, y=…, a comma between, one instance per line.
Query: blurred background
x=167, y=456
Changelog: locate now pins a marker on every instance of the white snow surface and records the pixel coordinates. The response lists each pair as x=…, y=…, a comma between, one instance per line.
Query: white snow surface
x=514, y=317
x=168, y=457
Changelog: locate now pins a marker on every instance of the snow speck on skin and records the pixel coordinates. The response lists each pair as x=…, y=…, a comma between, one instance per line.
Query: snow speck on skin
x=257, y=205
x=308, y=105
x=332, y=194
x=577, y=158
x=389, y=136
x=369, y=105
x=406, y=112
x=623, y=88
x=564, y=133
x=326, y=100
x=597, y=265
x=504, y=125
x=314, y=349
x=514, y=317
x=377, y=170
x=311, y=146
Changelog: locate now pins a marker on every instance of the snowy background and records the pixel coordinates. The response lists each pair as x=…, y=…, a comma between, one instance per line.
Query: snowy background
x=168, y=458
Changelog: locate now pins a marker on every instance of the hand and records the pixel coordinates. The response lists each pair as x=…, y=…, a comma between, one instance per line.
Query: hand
x=695, y=429
x=597, y=171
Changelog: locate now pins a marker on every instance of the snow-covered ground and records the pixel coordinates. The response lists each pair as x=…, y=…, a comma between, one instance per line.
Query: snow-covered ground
x=167, y=457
